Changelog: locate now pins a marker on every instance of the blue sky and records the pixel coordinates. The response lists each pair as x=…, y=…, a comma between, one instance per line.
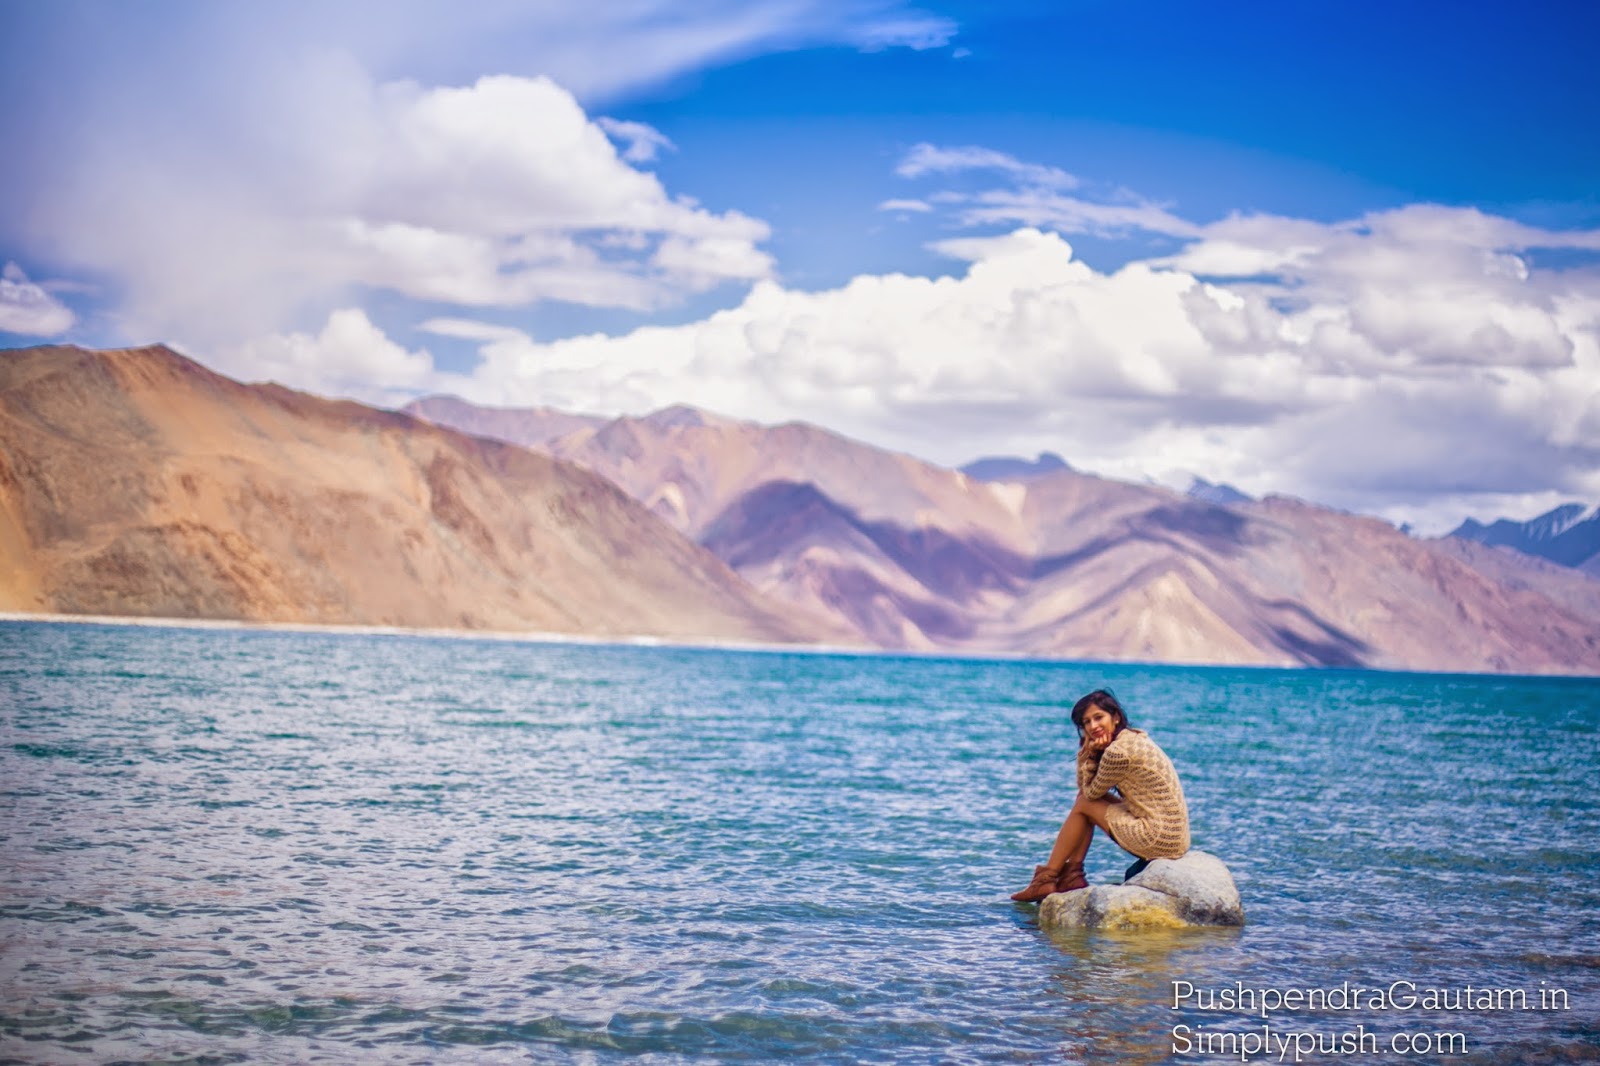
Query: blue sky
x=1348, y=251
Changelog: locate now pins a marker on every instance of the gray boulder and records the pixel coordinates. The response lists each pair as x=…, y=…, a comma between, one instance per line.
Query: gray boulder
x=1196, y=890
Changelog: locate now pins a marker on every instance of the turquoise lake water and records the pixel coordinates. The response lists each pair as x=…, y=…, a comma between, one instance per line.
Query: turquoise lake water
x=252, y=846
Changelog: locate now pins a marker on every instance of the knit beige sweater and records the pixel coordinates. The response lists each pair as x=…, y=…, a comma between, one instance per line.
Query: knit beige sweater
x=1152, y=821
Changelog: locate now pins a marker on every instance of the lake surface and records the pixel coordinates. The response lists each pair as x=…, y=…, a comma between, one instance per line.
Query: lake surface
x=255, y=846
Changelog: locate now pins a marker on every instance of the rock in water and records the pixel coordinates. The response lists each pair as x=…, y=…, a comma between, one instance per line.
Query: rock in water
x=1195, y=890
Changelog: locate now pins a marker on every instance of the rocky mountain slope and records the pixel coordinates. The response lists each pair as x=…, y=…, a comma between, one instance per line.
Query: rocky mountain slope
x=136, y=482
x=909, y=555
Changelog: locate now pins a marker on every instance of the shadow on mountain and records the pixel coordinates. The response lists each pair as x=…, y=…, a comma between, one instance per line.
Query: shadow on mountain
x=779, y=518
x=1333, y=646
x=1217, y=528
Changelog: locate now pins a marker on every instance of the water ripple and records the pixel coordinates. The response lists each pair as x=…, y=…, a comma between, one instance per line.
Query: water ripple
x=245, y=846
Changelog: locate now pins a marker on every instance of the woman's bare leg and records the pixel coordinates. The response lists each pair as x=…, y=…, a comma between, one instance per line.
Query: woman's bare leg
x=1072, y=841
x=1081, y=852
x=1072, y=844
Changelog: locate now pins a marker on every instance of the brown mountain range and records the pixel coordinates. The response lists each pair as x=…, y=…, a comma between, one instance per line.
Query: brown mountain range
x=136, y=482
x=909, y=555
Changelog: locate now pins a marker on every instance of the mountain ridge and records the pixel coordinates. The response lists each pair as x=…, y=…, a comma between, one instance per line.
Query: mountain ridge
x=137, y=482
x=1568, y=535
x=1066, y=564
x=143, y=484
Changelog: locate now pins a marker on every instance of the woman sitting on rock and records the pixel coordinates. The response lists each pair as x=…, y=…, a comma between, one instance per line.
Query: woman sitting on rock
x=1146, y=814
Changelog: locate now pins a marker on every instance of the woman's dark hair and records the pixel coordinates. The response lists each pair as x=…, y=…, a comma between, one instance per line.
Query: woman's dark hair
x=1102, y=698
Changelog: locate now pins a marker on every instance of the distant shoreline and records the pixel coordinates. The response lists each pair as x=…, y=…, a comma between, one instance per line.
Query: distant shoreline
x=510, y=636
x=689, y=644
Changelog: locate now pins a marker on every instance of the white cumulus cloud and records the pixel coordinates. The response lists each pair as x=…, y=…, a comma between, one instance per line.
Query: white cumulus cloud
x=232, y=171
x=1320, y=383
x=349, y=356
x=498, y=193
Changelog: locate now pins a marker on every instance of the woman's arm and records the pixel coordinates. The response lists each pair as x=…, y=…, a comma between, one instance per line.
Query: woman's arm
x=1112, y=768
x=1088, y=764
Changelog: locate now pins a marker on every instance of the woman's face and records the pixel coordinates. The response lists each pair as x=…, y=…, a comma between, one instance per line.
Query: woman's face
x=1099, y=725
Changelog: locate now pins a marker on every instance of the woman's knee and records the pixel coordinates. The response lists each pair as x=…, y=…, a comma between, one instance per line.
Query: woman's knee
x=1094, y=810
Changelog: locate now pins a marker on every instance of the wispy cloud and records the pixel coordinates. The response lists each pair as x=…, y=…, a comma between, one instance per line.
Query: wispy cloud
x=28, y=309
x=1071, y=214
x=641, y=142
x=924, y=159
x=1034, y=194
x=916, y=30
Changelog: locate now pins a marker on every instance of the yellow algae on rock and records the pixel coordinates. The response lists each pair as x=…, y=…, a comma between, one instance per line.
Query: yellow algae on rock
x=1131, y=914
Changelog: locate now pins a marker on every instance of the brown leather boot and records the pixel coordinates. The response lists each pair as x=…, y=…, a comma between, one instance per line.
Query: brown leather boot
x=1071, y=878
x=1043, y=883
